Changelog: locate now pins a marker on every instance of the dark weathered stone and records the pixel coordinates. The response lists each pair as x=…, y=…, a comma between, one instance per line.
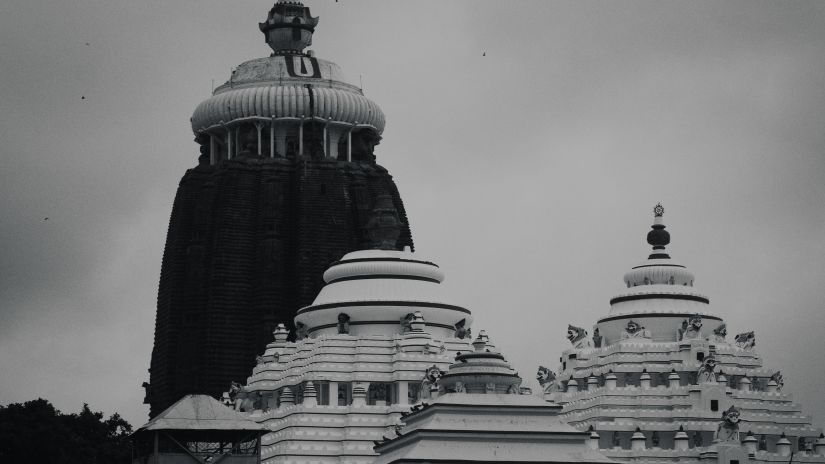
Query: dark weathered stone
x=247, y=245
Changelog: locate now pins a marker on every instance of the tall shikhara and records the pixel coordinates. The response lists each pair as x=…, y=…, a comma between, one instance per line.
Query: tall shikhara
x=286, y=184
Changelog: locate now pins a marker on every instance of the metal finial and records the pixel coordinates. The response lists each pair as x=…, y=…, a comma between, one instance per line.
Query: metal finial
x=658, y=210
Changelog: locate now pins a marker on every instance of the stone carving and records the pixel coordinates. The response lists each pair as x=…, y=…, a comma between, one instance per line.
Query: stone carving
x=343, y=323
x=746, y=340
x=459, y=387
x=547, y=379
x=525, y=391
x=259, y=359
x=706, y=371
x=720, y=332
x=513, y=390
x=461, y=331
x=301, y=331
x=617, y=443
x=728, y=429
x=780, y=381
x=597, y=338
x=691, y=328
x=634, y=330
x=433, y=374
x=578, y=337
x=698, y=442
x=655, y=439
x=405, y=323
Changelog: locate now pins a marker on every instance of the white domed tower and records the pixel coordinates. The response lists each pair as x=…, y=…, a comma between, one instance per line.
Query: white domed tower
x=290, y=104
x=381, y=322
x=660, y=380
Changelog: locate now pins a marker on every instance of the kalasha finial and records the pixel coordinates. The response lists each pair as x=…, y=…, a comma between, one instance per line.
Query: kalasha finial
x=289, y=27
x=658, y=237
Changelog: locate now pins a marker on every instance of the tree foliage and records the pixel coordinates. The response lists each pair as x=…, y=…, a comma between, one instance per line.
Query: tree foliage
x=37, y=432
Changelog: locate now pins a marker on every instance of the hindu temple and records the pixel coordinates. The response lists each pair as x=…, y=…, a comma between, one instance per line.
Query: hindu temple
x=286, y=183
x=661, y=380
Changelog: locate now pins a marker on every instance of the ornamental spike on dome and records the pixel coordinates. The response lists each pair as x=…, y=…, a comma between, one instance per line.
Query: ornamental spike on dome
x=658, y=237
x=288, y=27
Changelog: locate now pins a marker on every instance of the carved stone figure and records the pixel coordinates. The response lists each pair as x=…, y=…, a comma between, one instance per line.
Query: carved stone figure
x=728, y=429
x=301, y=331
x=461, y=331
x=259, y=359
x=578, y=337
x=459, y=387
x=234, y=389
x=780, y=381
x=763, y=443
x=617, y=443
x=547, y=379
x=405, y=323
x=597, y=338
x=746, y=340
x=655, y=439
x=706, y=371
x=634, y=330
x=432, y=374
x=691, y=328
x=720, y=333
x=343, y=323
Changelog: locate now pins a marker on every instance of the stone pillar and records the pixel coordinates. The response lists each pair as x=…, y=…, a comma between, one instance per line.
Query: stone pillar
x=744, y=384
x=593, y=443
x=638, y=441
x=349, y=145
x=272, y=139
x=673, y=380
x=772, y=386
x=332, y=395
x=259, y=127
x=680, y=441
x=228, y=143
x=610, y=381
x=592, y=382
x=750, y=443
x=310, y=395
x=572, y=386
x=783, y=446
x=819, y=446
x=326, y=151
x=403, y=392
x=213, y=158
x=644, y=380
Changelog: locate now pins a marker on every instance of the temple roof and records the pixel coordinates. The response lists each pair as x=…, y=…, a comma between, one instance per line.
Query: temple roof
x=200, y=412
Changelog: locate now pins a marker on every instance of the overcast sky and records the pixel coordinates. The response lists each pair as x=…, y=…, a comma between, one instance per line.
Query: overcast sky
x=528, y=174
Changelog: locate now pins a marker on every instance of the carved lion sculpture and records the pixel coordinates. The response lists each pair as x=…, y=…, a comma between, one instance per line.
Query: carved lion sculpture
x=461, y=331
x=720, y=332
x=691, y=328
x=780, y=381
x=547, y=379
x=728, y=429
x=432, y=374
x=746, y=340
x=578, y=337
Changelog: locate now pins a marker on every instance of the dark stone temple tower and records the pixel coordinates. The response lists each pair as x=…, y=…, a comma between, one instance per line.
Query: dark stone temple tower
x=286, y=184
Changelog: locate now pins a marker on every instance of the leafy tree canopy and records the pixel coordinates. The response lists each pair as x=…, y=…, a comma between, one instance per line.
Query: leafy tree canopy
x=37, y=432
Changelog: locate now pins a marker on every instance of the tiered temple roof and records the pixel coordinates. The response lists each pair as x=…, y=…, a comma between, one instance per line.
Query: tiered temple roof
x=661, y=381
